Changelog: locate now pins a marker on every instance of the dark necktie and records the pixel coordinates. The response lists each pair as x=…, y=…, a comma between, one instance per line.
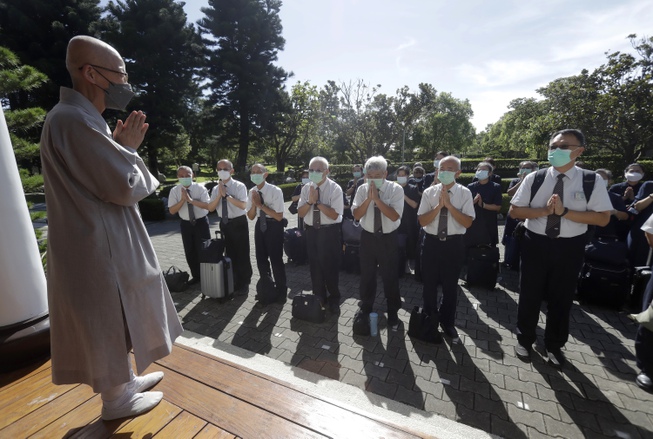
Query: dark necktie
x=262, y=221
x=317, y=221
x=553, y=221
x=442, y=223
x=191, y=211
x=378, y=222
x=225, y=209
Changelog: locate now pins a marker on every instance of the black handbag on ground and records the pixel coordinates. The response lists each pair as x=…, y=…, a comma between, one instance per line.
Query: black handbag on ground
x=212, y=250
x=607, y=251
x=361, y=324
x=424, y=327
x=176, y=279
x=308, y=307
x=351, y=231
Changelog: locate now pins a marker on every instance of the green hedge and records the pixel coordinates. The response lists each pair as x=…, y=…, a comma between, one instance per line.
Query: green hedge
x=152, y=208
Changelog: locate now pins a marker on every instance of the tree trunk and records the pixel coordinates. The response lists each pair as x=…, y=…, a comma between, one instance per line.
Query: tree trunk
x=281, y=164
x=243, y=138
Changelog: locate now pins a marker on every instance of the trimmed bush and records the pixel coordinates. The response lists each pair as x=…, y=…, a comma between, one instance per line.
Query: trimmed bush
x=152, y=208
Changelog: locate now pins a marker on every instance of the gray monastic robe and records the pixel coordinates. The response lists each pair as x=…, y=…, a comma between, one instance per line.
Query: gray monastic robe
x=101, y=262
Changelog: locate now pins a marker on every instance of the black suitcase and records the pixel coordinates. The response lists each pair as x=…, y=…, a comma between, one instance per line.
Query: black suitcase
x=294, y=245
x=512, y=252
x=351, y=258
x=641, y=277
x=603, y=284
x=308, y=307
x=482, y=266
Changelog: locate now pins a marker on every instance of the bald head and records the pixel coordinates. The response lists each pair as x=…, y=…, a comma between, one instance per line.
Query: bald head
x=83, y=50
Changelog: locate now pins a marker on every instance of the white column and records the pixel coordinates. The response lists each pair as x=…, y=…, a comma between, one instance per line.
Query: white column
x=23, y=293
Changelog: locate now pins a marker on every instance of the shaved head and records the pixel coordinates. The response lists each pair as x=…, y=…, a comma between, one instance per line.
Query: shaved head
x=83, y=50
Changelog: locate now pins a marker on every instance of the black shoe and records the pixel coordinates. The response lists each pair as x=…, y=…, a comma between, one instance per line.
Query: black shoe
x=644, y=382
x=194, y=281
x=522, y=352
x=450, y=331
x=556, y=357
x=334, y=308
x=393, y=319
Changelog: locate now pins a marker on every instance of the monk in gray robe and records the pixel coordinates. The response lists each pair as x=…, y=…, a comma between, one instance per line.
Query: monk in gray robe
x=106, y=293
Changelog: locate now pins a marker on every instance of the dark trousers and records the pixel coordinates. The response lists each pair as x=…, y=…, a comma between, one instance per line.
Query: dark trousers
x=269, y=251
x=549, y=271
x=644, y=337
x=236, y=243
x=324, y=253
x=379, y=251
x=193, y=236
x=441, y=265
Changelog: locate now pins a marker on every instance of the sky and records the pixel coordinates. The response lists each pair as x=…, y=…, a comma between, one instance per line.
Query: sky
x=489, y=52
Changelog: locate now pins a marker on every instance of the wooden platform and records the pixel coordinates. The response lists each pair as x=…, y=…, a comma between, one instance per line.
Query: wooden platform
x=204, y=397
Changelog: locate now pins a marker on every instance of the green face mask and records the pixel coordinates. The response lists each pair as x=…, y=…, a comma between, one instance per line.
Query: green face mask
x=257, y=178
x=186, y=181
x=316, y=177
x=378, y=182
x=447, y=177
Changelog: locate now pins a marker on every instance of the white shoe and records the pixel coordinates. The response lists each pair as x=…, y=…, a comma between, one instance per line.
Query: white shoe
x=130, y=404
x=644, y=318
x=522, y=353
x=139, y=384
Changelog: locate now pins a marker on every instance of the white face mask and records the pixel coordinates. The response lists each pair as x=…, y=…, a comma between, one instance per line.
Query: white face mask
x=402, y=180
x=436, y=164
x=634, y=176
x=482, y=174
x=224, y=175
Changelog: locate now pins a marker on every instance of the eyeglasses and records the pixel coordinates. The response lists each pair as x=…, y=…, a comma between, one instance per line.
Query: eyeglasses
x=563, y=146
x=224, y=169
x=109, y=70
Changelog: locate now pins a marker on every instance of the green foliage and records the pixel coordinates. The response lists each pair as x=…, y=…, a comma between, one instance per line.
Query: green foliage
x=152, y=209
x=243, y=38
x=613, y=106
x=162, y=69
x=38, y=31
x=31, y=183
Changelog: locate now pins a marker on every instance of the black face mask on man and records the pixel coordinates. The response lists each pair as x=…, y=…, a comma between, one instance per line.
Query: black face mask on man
x=117, y=95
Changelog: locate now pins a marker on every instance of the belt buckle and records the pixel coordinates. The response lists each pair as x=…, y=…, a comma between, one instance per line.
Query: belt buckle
x=442, y=238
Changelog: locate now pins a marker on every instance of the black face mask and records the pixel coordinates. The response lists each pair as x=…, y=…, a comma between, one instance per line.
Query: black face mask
x=117, y=95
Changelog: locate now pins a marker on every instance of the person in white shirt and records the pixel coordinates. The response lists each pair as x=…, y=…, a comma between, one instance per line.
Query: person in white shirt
x=265, y=202
x=189, y=199
x=553, y=245
x=229, y=198
x=378, y=206
x=321, y=206
x=446, y=211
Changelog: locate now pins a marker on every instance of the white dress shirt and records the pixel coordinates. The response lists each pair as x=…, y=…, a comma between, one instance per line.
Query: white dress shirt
x=573, y=199
x=272, y=198
x=330, y=195
x=461, y=198
x=238, y=191
x=197, y=192
x=392, y=194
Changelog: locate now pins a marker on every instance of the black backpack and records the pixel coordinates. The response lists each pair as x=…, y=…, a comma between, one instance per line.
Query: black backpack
x=589, y=178
x=266, y=291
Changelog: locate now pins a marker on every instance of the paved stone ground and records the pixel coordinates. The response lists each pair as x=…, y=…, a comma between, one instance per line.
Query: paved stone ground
x=479, y=382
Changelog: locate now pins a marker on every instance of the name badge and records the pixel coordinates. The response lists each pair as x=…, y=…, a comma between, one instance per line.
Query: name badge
x=579, y=196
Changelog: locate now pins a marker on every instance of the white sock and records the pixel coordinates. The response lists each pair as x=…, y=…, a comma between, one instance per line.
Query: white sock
x=130, y=404
x=114, y=393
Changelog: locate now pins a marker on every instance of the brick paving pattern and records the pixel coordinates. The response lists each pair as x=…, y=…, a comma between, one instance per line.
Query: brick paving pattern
x=478, y=382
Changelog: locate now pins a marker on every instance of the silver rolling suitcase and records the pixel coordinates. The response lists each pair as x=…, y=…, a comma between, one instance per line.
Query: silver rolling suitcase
x=217, y=279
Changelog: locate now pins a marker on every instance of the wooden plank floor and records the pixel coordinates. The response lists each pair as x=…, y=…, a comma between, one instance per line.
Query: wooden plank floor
x=204, y=397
